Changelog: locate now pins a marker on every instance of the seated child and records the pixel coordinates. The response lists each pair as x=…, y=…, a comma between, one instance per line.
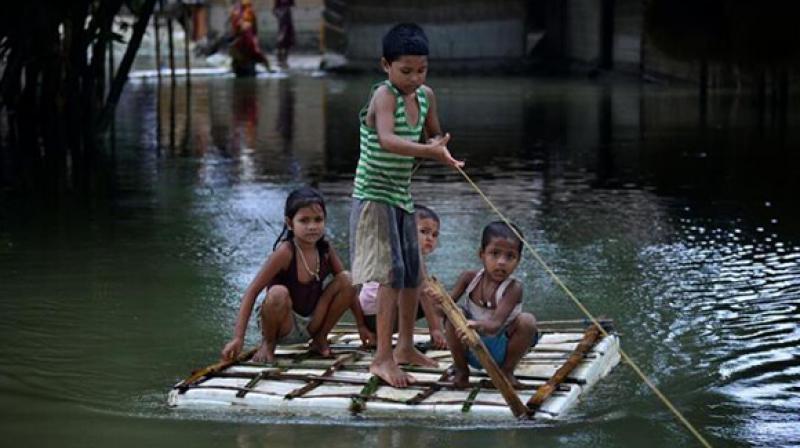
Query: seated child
x=297, y=306
x=428, y=235
x=493, y=306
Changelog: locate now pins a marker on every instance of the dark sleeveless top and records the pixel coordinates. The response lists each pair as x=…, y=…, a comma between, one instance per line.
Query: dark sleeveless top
x=305, y=296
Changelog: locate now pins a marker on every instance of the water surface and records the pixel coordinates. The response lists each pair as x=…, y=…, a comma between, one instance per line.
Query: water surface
x=682, y=228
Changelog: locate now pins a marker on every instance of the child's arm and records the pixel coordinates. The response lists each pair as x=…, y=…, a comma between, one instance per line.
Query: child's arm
x=461, y=284
x=383, y=103
x=511, y=297
x=434, y=317
x=367, y=337
x=432, y=127
x=277, y=261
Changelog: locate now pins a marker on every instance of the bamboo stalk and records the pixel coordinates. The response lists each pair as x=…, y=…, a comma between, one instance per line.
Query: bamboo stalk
x=430, y=390
x=499, y=379
x=359, y=402
x=214, y=368
x=157, y=40
x=253, y=381
x=589, y=338
x=313, y=384
x=470, y=399
x=288, y=375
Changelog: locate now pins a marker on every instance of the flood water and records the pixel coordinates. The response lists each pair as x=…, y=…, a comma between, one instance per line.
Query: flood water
x=684, y=229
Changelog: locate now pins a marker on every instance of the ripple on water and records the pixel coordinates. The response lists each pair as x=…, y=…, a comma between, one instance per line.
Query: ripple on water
x=741, y=301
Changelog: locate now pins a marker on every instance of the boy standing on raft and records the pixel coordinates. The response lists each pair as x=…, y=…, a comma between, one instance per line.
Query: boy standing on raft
x=400, y=114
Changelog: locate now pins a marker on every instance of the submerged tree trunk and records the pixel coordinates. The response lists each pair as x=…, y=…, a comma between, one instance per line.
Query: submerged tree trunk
x=125, y=64
x=53, y=84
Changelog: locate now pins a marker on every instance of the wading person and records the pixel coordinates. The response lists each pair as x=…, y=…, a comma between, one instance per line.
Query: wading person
x=245, y=51
x=282, y=9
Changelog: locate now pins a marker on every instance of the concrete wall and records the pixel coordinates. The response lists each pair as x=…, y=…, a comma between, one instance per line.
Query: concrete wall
x=481, y=32
x=486, y=40
x=583, y=31
x=627, y=35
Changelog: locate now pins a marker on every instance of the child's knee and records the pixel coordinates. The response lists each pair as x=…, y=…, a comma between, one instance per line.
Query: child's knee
x=277, y=298
x=526, y=323
x=345, y=282
x=345, y=278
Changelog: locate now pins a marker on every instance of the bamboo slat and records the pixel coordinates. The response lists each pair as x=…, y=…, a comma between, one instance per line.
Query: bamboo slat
x=252, y=383
x=430, y=390
x=470, y=399
x=313, y=384
x=589, y=338
x=359, y=403
x=499, y=379
x=214, y=368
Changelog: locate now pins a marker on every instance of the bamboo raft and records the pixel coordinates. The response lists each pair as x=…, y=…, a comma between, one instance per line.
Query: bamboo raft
x=569, y=358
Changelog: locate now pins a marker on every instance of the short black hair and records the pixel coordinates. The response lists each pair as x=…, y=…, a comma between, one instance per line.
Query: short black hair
x=423, y=212
x=499, y=229
x=404, y=39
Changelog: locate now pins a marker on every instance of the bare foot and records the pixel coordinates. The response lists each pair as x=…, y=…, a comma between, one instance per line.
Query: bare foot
x=265, y=353
x=390, y=372
x=321, y=346
x=414, y=357
x=461, y=379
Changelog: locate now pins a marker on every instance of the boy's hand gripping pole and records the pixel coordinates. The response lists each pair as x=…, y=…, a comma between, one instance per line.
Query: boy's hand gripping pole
x=499, y=379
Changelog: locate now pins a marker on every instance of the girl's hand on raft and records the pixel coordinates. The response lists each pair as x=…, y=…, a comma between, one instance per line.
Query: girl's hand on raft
x=232, y=349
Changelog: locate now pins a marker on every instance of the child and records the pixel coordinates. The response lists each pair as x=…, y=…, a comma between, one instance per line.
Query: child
x=401, y=112
x=493, y=306
x=244, y=50
x=428, y=235
x=283, y=13
x=296, y=306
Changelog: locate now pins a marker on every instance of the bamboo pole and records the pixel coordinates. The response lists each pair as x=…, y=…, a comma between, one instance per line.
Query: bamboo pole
x=214, y=368
x=359, y=403
x=158, y=40
x=499, y=379
x=589, y=338
x=430, y=390
x=313, y=384
x=172, y=81
x=186, y=54
x=125, y=64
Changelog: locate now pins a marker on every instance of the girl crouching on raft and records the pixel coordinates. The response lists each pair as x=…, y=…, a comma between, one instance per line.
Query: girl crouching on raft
x=297, y=307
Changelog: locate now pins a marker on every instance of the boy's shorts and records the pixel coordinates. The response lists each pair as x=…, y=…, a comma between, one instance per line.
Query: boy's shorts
x=497, y=347
x=383, y=245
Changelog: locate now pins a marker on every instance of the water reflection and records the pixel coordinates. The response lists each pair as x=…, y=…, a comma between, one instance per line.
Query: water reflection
x=636, y=200
x=681, y=229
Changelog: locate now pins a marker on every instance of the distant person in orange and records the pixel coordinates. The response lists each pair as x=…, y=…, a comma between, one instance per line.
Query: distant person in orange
x=245, y=51
x=283, y=12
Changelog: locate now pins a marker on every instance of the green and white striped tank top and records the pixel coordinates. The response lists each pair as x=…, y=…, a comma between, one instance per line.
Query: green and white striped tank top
x=381, y=175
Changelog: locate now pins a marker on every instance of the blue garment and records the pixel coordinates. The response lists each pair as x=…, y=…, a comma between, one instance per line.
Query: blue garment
x=497, y=347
